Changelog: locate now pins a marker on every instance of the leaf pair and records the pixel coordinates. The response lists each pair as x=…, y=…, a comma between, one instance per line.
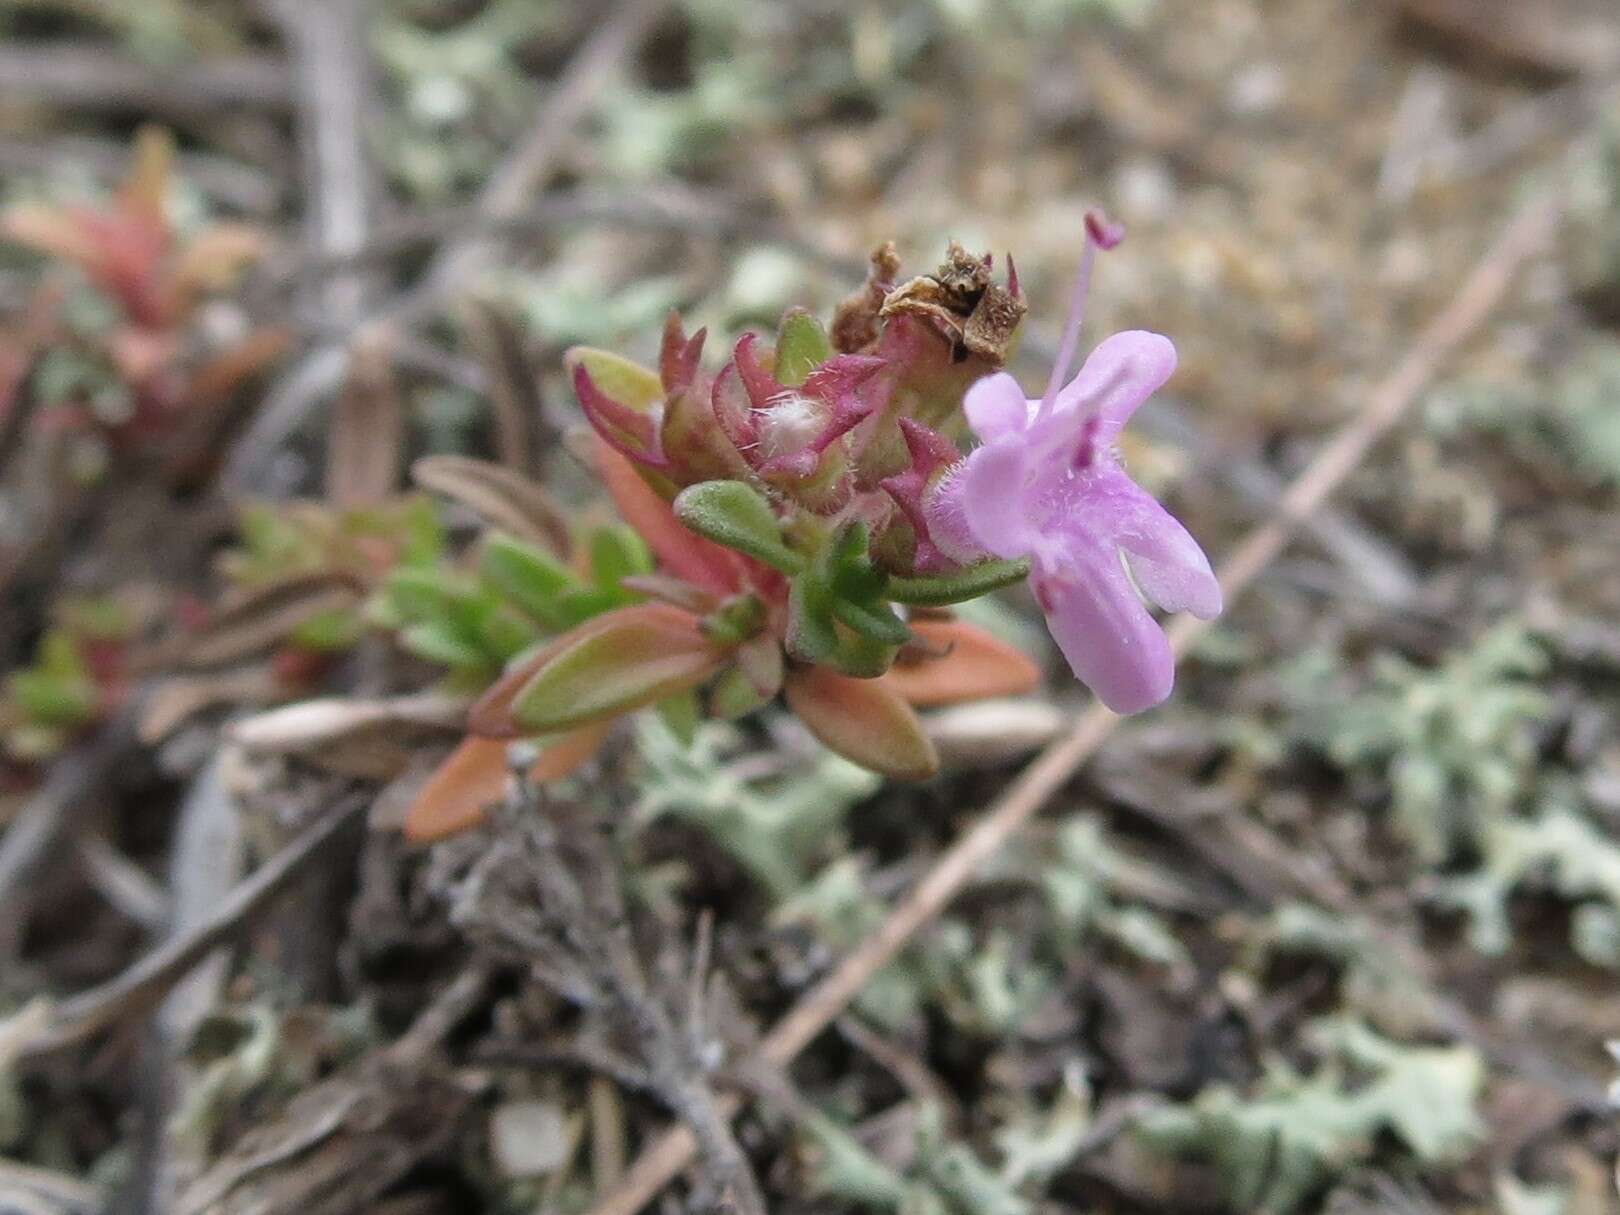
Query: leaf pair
x=838, y=615
x=567, y=693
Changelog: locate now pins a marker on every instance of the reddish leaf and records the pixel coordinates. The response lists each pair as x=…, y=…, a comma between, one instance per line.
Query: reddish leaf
x=491, y=716
x=632, y=432
x=681, y=552
x=972, y=665
x=678, y=355
x=458, y=795
x=863, y=720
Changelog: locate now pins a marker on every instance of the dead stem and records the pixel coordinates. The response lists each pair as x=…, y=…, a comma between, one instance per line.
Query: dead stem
x=575, y=885
x=144, y=982
x=506, y=194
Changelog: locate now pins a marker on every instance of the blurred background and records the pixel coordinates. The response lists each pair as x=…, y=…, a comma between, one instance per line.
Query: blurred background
x=1338, y=929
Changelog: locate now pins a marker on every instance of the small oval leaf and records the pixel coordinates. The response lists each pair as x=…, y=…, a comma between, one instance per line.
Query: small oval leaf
x=459, y=793
x=801, y=347
x=737, y=515
x=876, y=623
x=971, y=665
x=621, y=661
x=630, y=384
x=529, y=577
x=864, y=721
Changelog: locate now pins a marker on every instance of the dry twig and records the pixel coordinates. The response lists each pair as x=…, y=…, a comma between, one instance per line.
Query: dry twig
x=72, y=75
x=143, y=983
x=69, y=791
x=507, y=193
x=333, y=73
x=550, y=887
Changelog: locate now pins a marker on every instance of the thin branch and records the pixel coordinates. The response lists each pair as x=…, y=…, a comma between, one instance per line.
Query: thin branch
x=589, y=913
x=1379, y=569
x=75, y=75
x=664, y=205
x=333, y=73
x=579, y=1055
x=443, y=1013
x=205, y=864
x=1478, y=297
x=145, y=982
x=124, y=884
x=74, y=783
x=512, y=185
x=507, y=193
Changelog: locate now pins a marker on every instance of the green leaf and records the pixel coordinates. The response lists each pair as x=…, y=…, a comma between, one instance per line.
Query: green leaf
x=734, y=695
x=506, y=634
x=328, y=632
x=53, y=701
x=945, y=589
x=845, y=566
x=626, y=382
x=577, y=606
x=681, y=714
x=861, y=657
x=801, y=347
x=421, y=533
x=618, y=553
x=811, y=636
x=877, y=624
x=735, y=621
x=437, y=642
x=533, y=580
x=861, y=581
x=422, y=594
x=635, y=657
x=848, y=546
x=738, y=516
x=58, y=689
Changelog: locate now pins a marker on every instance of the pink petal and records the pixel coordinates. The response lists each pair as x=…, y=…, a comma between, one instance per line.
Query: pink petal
x=949, y=538
x=995, y=406
x=1166, y=562
x=990, y=493
x=1118, y=376
x=1114, y=646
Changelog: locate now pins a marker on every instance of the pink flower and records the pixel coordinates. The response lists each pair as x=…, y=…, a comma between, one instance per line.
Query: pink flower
x=1047, y=484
